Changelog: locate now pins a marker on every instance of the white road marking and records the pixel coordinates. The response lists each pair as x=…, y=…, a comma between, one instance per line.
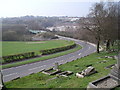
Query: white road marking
x=64, y=61
x=37, y=67
x=26, y=65
x=7, y=69
x=61, y=60
x=18, y=66
x=34, y=68
x=44, y=66
x=9, y=74
x=89, y=47
x=79, y=53
x=62, y=56
x=72, y=57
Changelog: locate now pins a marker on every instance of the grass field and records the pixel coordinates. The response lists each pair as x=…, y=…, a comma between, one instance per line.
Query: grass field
x=40, y=80
x=9, y=48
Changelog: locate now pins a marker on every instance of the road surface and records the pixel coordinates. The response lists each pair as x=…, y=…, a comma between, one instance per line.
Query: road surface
x=24, y=70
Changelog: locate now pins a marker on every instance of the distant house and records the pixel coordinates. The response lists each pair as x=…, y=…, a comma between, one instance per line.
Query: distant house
x=63, y=28
x=36, y=31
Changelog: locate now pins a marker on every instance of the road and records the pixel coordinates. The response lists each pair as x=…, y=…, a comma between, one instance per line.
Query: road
x=27, y=69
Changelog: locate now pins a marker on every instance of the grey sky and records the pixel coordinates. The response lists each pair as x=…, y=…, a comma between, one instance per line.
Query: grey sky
x=15, y=8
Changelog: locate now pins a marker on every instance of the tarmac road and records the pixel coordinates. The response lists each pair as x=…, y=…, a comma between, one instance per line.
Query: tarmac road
x=24, y=70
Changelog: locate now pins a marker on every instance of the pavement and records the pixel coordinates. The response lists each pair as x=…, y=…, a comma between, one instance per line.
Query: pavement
x=27, y=69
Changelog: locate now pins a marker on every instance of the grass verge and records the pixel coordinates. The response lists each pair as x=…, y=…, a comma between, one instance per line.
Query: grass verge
x=41, y=58
x=40, y=80
x=17, y=47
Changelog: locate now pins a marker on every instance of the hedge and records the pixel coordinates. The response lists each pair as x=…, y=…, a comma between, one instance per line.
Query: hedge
x=17, y=57
x=51, y=51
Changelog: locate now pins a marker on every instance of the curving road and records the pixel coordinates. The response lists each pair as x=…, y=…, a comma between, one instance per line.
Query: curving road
x=24, y=70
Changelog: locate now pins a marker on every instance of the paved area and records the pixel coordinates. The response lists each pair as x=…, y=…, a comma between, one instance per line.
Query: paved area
x=24, y=70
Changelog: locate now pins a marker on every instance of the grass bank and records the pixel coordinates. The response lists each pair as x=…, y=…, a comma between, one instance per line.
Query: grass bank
x=40, y=80
x=15, y=47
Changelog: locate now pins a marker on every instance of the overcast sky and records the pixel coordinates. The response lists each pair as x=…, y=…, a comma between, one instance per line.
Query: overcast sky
x=15, y=8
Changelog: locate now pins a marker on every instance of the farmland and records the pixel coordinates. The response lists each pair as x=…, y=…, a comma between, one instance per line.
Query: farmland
x=14, y=47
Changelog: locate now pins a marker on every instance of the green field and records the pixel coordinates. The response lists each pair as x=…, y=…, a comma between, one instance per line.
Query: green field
x=14, y=47
x=40, y=80
x=78, y=47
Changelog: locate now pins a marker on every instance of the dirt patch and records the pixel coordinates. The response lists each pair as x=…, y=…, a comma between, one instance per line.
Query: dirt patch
x=34, y=42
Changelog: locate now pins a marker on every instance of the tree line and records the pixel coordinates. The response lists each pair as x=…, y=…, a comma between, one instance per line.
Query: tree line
x=17, y=28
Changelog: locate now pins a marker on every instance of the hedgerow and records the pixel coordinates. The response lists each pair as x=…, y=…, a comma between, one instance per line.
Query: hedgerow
x=51, y=51
x=17, y=57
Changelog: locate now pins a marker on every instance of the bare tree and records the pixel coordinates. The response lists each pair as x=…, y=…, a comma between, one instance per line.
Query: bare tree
x=90, y=25
x=102, y=22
